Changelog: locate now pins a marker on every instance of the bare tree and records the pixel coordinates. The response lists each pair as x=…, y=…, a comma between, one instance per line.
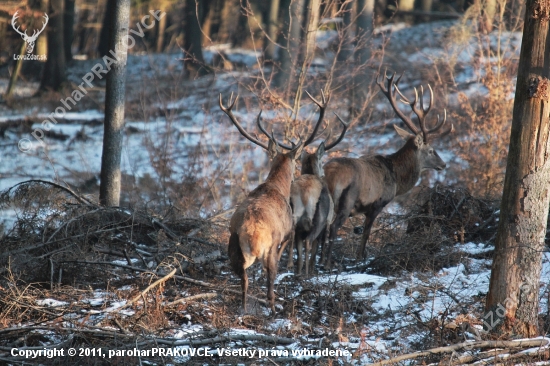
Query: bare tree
x=54, y=70
x=512, y=302
x=109, y=189
x=365, y=25
x=272, y=30
x=194, y=60
x=293, y=12
x=68, y=28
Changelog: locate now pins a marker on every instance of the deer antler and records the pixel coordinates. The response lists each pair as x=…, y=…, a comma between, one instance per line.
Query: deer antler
x=337, y=141
x=417, y=106
x=36, y=33
x=322, y=108
x=229, y=112
x=15, y=16
x=421, y=112
x=390, y=93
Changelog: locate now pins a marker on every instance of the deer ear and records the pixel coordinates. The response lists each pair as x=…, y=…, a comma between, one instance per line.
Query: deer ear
x=272, y=149
x=405, y=135
x=320, y=150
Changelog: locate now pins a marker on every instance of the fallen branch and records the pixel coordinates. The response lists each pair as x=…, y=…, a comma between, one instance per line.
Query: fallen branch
x=79, y=198
x=207, y=295
x=481, y=344
x=179, y=277
x=154, y=284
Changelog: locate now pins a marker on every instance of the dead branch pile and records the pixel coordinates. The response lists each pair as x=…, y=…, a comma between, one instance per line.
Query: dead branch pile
x=424, y=238
x=62, y=238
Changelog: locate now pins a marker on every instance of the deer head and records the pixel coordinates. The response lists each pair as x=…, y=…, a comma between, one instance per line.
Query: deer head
x=29, y=39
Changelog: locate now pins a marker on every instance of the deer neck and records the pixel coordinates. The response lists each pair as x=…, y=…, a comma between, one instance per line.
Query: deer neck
x=405, y=167
x=281, y=174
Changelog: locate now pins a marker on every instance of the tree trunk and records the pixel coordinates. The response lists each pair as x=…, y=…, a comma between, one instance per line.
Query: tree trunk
x=488, y=12
x=426, y=5
x=512, y=301
x=163, y=5
x=311, y=26
x=272, y=30
x=406, y=5
x=54, y=70
x=365, y=9
x=105, y=34
x=194, y=60
x=68, y=26
x=346, y=50
x=109, y=189
x=292, y=23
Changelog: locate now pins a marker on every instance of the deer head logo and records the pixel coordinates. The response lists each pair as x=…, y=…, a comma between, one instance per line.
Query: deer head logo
x=29, y=39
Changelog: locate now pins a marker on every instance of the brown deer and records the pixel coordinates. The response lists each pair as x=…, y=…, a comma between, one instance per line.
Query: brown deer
x=311, y=203
x=263, y=221
x=365, y=185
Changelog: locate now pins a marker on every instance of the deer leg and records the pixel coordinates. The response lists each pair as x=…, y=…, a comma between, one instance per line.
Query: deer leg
x=320, y=241
x=290, y=263
x=271, y=267
x=370, y=216
x=300, y=250
x=244, y=286
x=339, y=220
x=307, y=254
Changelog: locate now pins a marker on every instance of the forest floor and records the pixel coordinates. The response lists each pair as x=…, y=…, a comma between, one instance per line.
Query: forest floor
x=149, y=282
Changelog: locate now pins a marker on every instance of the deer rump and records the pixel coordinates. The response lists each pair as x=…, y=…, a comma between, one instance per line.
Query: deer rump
x=260, y=223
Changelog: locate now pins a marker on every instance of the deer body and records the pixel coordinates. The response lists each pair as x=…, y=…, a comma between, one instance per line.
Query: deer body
x=313, y=211
x=367, y=184
x=261, y=223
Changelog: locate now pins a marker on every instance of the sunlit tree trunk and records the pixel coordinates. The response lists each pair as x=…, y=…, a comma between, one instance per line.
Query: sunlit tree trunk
x=488, y=12
x=109, y=189
x=513, y=302
x=292, y=26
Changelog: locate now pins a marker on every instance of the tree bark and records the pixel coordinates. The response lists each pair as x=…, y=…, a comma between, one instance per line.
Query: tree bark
x=488, y=12
x=292, y=23
x=512, y=301
x=68, y=26
x=365, y=10
x=272, y=30
x=346, y=50
x=109, y=189
x=194, y=60
x=54, y=70
x=105, y=34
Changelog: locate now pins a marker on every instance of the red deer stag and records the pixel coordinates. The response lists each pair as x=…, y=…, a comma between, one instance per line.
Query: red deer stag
x=310, y=200
x=365, y=185
x=263, y=221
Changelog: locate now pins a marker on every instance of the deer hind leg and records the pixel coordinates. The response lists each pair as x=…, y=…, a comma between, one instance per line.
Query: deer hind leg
x=344, y=210
x=244, y=286
x=290, y=263
x=320, y=241
x=300, y=252
x=271, y=266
